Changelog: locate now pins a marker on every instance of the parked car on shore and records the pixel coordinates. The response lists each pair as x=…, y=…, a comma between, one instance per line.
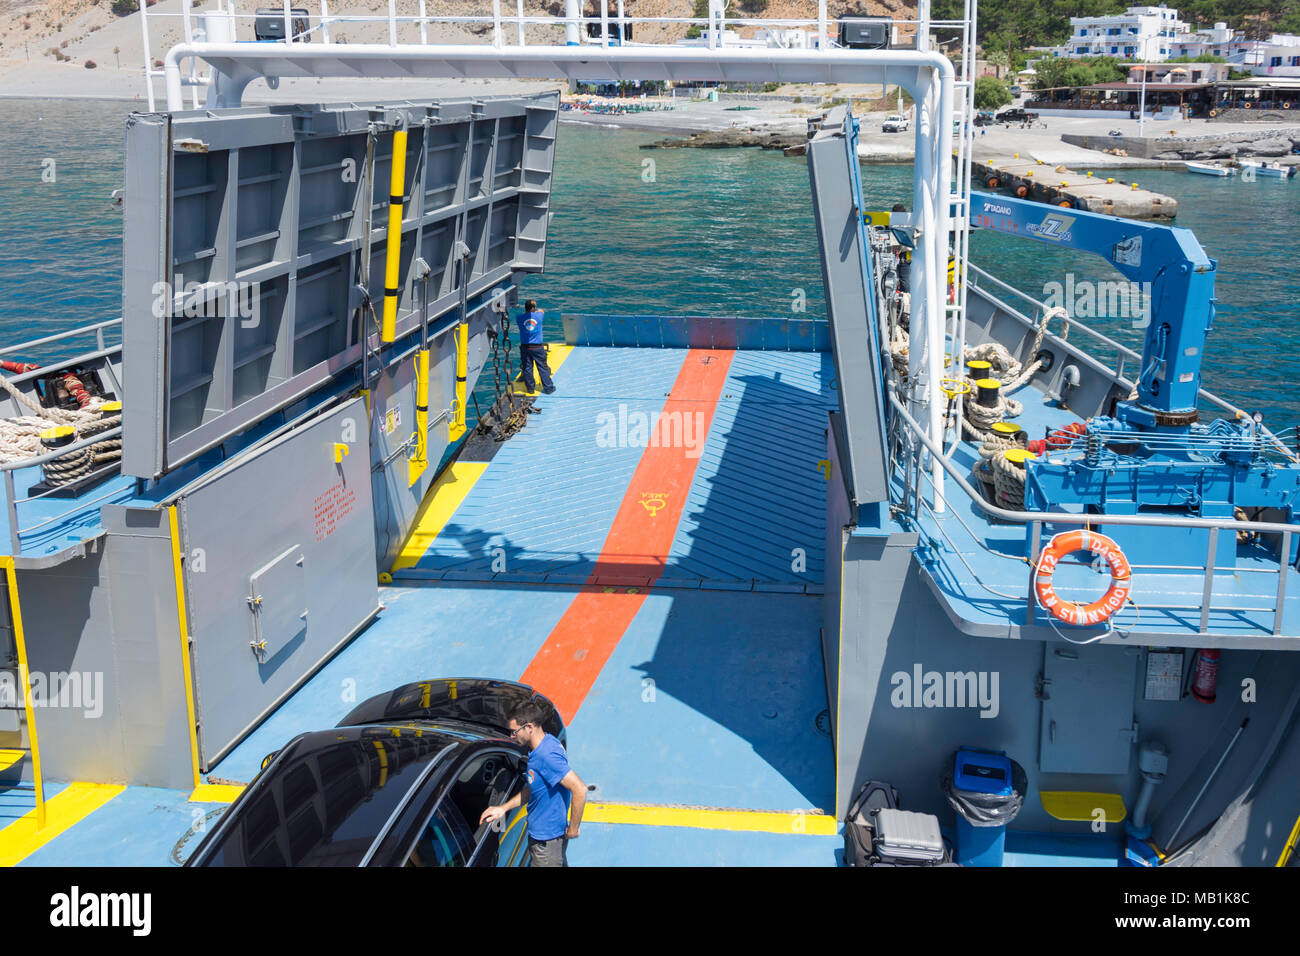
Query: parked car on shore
x=1015, y=114
x=895, y=123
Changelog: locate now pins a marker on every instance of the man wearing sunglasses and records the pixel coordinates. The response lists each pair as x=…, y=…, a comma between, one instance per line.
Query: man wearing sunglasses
x=551, y=787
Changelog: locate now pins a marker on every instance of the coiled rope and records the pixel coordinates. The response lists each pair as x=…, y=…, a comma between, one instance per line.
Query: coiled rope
x=20, y=437
x=978, y=420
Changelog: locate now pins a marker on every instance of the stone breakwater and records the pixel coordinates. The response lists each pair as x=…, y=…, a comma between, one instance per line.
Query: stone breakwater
x=1271, y=143
x=731, y=138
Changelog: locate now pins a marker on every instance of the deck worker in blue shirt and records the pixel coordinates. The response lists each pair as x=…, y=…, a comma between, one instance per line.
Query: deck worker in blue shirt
x=550, y=787
x=532, y=351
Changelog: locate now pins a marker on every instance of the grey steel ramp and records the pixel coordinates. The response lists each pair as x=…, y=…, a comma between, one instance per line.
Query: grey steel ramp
x=850, y=303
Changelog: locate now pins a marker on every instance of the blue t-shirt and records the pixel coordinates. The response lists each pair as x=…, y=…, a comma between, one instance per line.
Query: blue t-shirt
x=548, y=801
x=530, y=327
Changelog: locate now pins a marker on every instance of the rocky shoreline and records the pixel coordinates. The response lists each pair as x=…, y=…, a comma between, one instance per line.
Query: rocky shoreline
x=1272, y=143
x=732, y=138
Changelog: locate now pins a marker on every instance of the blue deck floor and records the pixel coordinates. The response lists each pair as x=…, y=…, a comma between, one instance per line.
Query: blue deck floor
x=715, y=691
x=757, y=494
x=712, y=696
x=47, y=525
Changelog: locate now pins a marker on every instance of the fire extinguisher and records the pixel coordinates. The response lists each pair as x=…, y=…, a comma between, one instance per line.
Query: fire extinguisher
x=1207, y=675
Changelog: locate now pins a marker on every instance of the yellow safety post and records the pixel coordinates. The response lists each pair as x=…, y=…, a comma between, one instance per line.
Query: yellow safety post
x=394, y=250
x=182, y=622
x=25, y=678
x=420, y=460
x=457, y=426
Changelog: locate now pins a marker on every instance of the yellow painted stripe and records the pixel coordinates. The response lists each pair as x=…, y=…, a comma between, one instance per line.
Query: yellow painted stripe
x=181, y=618
x=25, y=679
x=708, y=818
x=9, y=758
x=69, y=806
x=1291, y=842
x=554, y=358
x=440, y=503
x=216, y=793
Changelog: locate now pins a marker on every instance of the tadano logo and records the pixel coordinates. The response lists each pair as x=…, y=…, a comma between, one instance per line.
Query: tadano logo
x=997, y=210
x=922, y=688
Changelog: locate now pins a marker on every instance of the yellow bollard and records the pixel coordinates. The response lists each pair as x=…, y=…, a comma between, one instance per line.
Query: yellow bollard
x=1135, y=185
x=420, y=460
x=457, y=426
x=394, y=251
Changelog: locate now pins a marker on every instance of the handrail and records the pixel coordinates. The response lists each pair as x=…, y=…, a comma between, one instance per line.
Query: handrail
x=57, y=336
x=64, y=450
x=12, y=500
x=1208, y=396
x=1063, y=517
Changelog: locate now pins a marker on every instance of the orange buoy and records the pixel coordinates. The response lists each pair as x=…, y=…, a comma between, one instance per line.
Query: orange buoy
x=1070, y=612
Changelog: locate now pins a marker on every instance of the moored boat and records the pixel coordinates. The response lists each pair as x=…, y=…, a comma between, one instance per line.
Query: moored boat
x=1208, y=169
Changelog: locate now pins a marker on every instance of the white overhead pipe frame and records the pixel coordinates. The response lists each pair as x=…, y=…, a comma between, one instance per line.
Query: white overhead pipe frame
x=927, y=76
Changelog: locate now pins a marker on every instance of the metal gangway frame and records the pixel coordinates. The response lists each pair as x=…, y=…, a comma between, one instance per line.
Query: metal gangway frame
x=942, y=91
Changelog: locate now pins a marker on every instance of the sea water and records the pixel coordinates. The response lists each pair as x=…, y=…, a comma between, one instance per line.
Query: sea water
x=667, y=231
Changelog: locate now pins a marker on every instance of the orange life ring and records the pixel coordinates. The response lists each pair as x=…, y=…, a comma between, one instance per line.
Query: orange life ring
x=1286, y=106
x=1245, y=106
x=1067, y=542
x=1213, y=113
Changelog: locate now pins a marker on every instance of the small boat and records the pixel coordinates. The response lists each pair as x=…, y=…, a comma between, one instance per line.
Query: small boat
x=1208, y=169
x=1273, y=170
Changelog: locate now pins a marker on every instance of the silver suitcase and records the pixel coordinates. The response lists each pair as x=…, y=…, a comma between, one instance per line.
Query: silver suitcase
x=909, y=839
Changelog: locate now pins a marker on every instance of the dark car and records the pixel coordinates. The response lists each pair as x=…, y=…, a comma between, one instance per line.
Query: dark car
x=401, y=781
x=1016, y=115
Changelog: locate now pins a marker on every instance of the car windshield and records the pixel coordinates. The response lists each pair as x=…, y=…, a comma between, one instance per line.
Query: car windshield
x=327, y=800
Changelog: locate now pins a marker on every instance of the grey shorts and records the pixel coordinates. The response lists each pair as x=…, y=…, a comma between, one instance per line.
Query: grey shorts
x=548, y=852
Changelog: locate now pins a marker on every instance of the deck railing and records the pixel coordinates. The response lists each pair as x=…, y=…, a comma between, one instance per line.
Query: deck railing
x=913, y=500
x=103, y=351
x=1035, y=521
x=507, y=25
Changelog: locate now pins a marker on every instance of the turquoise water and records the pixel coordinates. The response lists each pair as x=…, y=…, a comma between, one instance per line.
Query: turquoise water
x=720, y=232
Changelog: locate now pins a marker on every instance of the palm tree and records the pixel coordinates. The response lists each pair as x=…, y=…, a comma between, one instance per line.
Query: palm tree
x=999, y=60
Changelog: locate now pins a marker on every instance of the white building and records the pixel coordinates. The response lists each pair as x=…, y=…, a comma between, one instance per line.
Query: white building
x=1140, y=33
x=1218, y=41
x=1280, y=56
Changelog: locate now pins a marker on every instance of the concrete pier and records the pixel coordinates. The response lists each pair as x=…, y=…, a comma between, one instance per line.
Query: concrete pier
x=1108, y=193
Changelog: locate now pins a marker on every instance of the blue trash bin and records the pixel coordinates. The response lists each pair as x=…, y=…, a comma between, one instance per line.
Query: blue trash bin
x=986, y=789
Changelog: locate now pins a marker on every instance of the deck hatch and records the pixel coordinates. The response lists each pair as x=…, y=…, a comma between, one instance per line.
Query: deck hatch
x=277, y=601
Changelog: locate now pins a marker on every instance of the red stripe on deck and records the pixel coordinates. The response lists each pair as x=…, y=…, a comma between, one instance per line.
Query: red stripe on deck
x=636, y=549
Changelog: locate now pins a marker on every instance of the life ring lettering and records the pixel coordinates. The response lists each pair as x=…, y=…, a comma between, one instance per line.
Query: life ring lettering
x=1071, y=612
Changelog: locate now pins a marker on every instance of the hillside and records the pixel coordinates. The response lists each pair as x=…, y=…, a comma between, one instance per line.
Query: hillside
x=1018, y=24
